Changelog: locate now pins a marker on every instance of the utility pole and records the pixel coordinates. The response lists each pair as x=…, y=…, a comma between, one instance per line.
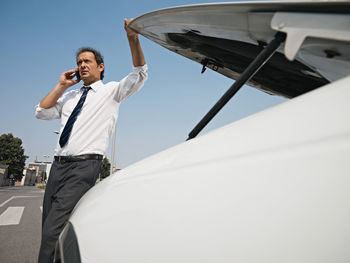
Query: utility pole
x=113, y=148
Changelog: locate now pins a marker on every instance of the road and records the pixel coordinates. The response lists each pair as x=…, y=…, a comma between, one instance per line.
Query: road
x=20, y=224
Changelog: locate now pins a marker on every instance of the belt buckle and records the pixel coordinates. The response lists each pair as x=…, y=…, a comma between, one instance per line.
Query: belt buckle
x=61, y=159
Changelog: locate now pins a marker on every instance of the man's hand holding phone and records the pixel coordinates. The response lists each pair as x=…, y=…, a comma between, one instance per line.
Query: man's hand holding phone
x=77, y=75
x=67, y=78
x=65, y=81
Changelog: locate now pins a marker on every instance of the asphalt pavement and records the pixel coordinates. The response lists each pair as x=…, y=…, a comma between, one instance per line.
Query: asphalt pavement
x=20, y=223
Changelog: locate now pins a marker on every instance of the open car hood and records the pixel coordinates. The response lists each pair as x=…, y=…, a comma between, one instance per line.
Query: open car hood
x=226, y=37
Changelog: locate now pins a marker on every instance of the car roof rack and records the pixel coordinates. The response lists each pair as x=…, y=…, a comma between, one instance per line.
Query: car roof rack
x=247, y=74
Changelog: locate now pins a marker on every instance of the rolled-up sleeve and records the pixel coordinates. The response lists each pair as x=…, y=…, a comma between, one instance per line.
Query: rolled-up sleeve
x=50, y=113
x=132, y=83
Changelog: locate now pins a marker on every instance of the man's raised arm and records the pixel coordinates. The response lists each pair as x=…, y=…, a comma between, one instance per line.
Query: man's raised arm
x=138, y=59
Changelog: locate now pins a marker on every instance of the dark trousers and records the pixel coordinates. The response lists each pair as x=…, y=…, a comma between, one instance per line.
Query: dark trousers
x=67, y=183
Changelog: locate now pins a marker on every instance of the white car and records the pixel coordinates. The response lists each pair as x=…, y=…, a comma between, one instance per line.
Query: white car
x=273, y=187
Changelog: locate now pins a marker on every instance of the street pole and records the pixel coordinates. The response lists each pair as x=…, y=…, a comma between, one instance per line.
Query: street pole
x=113, y=148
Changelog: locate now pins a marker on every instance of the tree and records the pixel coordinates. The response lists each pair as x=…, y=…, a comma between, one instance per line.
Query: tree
x=12, y=154
x=105, y=168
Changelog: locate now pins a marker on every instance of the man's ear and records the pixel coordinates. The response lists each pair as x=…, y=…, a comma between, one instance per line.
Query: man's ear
x=101, y=67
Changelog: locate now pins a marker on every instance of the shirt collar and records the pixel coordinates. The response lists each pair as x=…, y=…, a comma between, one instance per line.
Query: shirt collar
x=96, y=85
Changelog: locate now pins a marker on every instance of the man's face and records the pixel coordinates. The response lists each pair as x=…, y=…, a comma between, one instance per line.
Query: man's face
x=89, y=71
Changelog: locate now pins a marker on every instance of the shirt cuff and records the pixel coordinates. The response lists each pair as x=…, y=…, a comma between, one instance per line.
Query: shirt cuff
x=46, y=114
x=39, y=112
x=140, y=68
x=38, y=108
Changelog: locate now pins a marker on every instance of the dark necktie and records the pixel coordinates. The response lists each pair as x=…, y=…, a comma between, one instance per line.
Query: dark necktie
x=72, y=118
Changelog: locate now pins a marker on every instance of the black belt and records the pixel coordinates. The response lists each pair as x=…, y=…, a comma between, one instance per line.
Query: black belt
x=77, y=158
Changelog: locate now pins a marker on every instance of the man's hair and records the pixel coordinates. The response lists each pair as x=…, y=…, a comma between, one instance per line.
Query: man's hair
x=98, y=56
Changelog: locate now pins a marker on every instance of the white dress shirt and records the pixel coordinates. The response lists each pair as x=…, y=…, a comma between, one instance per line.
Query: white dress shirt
x=95, y=123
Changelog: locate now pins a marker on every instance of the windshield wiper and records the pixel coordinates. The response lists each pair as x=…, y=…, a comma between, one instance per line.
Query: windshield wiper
x=247, y=74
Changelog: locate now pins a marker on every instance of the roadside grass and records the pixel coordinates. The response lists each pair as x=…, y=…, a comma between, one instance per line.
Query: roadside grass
x=41, y=186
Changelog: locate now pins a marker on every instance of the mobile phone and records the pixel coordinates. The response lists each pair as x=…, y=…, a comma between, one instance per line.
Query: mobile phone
x=77, y=75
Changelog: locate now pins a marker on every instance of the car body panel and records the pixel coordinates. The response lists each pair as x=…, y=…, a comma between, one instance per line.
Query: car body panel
x=268, y=188
x=226, y=37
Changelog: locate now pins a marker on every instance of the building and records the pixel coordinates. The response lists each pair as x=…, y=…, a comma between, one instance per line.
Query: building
x=37, y=172
x=4, y=179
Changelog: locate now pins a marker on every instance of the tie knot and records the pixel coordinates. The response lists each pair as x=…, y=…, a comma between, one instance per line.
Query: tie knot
x=85, y=89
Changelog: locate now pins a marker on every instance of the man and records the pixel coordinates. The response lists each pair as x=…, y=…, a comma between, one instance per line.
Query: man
x=88, y=117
